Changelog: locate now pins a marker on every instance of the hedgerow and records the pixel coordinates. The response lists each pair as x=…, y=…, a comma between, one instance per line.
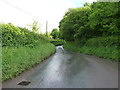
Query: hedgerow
x=17, y=36
x=22, y=49
x=57, y=42
x=93, y=48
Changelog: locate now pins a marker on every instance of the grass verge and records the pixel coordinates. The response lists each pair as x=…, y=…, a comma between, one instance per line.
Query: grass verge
x=110, y=52
x=16, y=60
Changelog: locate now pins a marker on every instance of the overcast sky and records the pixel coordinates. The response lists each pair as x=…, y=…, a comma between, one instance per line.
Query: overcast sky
x=22, y=12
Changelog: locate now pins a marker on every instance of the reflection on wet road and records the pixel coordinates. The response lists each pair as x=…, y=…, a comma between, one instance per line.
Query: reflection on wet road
x=67, y=69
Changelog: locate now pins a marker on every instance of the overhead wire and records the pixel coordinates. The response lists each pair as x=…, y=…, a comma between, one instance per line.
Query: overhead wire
x=20, y=9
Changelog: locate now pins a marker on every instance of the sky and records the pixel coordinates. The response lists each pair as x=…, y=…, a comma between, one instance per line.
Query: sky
x=23, y=12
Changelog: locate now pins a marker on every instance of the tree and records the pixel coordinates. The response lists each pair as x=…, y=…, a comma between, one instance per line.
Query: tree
x=72, y=21
x=35, y=26
x=55, y=33
x=91, y=20
x=104, y=17
x=87, y=4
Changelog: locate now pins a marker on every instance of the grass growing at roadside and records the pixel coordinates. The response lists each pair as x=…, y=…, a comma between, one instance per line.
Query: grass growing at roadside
x=71, y=46
x=16, y=60
x=104, y=52
x=110, y=52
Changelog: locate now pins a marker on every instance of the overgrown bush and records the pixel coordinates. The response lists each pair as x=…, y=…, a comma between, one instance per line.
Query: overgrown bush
x=22, y=49
x=17, y=36
x=93, y=20
x=71, y=46
x=93, y=28
x=103, y=41
x=108, y=52
x=103, y=52
x=57, y=42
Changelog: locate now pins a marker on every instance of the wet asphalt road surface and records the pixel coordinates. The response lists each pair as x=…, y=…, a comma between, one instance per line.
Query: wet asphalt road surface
x=66, y=69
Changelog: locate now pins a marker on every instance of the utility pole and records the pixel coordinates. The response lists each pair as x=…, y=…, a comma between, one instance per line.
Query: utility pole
x=46, y=27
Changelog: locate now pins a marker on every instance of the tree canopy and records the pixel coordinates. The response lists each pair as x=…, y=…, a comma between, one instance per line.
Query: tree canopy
x=35, y=26
x=91, y=20
x=55, y=33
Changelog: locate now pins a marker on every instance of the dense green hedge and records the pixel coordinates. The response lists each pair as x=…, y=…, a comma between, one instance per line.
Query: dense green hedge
x=57, y=42
x=103, y=41
x=17, y=36
x=103, y=52
x=93, y=28
x=102, y=47
x=16, y=60
x=92, y=20
x=22, y=49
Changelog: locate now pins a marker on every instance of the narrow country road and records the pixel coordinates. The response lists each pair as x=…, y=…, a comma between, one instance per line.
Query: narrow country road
x=66, y=69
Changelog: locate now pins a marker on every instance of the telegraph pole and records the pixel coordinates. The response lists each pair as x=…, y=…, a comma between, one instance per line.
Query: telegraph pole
x=46, y=27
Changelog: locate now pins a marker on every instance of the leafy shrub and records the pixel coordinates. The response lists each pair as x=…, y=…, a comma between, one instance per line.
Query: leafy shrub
x=103, y=52
x=103, y=41
x=57, y=42
x=71, y=46
x=108, y=52
x=10, y=34
x=17, y=36
x=22, y=49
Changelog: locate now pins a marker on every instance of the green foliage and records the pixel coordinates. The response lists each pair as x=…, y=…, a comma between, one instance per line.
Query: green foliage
x=104, y=41
x=9, y=34
x=94, y=29
x=57, y=42
x=104, y=18
x=16, y=60
x=87, y=4
x=103, y=52
x=109, y=52
x=72, y=22
x=71, y=46
x=22, y=49
x=35, y=26
x=17, y=36
x=55, y=33
x=92, y=20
